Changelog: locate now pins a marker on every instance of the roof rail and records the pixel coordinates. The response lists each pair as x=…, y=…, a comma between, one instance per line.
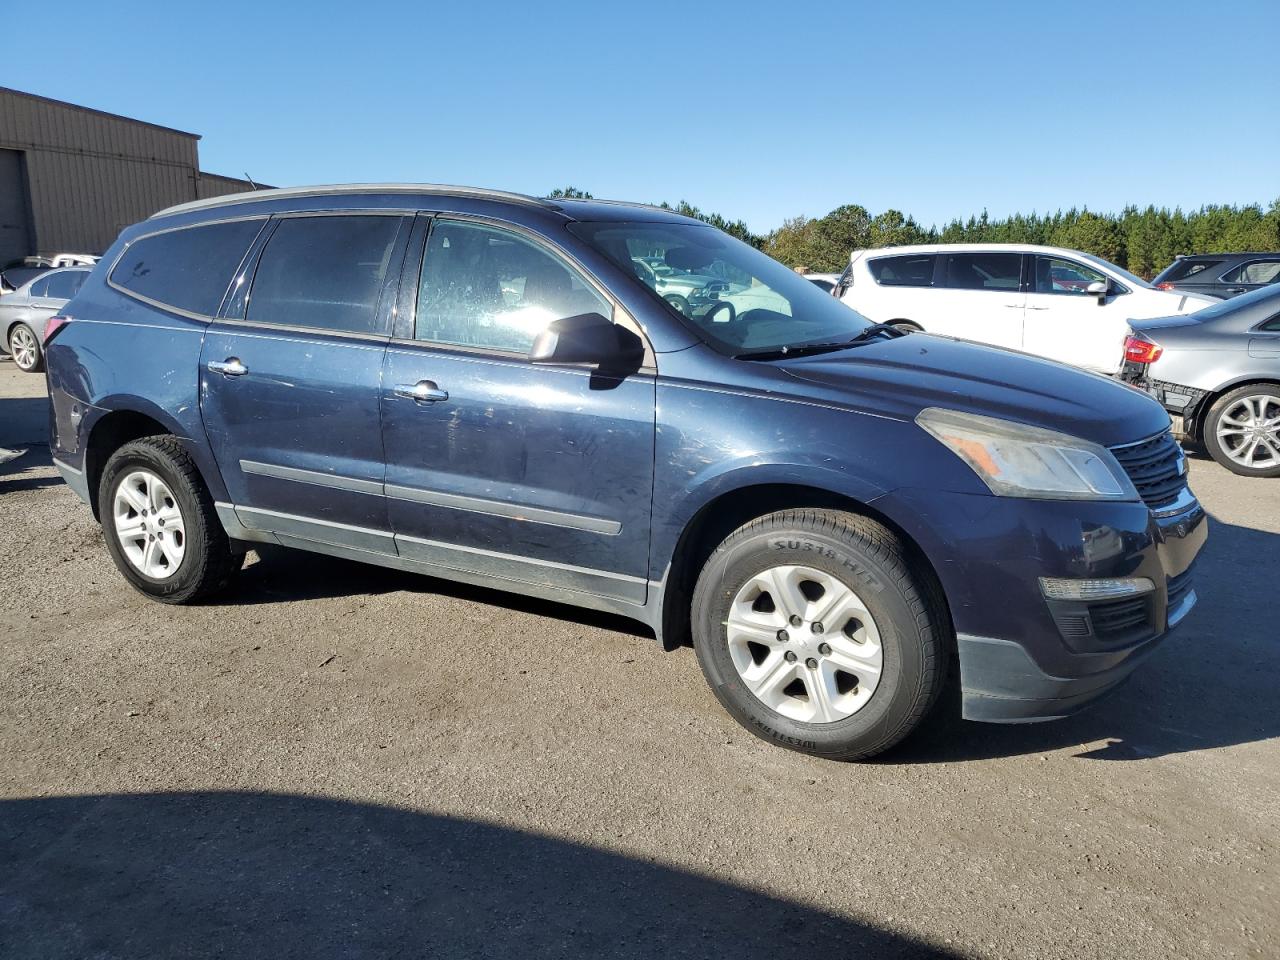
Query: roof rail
x=341, y=188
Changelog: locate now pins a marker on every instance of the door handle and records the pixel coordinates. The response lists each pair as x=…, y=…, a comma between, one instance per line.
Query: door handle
x=424, y=391
x=1037, y=308
x=1014, y=306
x=1235, y=289
x=230, y=367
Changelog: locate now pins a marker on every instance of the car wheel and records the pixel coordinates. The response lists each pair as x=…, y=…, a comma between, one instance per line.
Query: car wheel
x=160, y=524
x=24, y=347
x=906, y=326
x=680, y=304
x=815, y=634
x=1242, y=430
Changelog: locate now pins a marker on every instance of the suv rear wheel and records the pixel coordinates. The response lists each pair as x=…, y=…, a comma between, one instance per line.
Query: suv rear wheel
x=1242, y=430
x=815, y=635
x=160, y=524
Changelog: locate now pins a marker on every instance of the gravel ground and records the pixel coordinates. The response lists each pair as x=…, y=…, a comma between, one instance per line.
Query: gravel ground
x=340, y=761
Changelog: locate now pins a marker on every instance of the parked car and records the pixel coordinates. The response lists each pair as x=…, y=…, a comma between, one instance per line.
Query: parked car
x=1217, y=371
x=1056, y=303
x=483, y=387
x=1220, y=275
x=24, y=313
x=826, y=282
x=17, y=272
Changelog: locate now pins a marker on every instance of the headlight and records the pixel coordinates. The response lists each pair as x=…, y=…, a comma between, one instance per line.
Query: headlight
x=1015, y=460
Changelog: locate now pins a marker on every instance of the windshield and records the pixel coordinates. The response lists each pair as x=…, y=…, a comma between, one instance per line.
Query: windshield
x=1121, y=271
x=738, y=299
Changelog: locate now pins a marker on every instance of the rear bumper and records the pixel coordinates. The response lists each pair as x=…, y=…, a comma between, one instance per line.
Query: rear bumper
x=75, y=479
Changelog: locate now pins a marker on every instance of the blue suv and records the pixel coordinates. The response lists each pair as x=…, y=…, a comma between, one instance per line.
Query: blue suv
x=490, y=388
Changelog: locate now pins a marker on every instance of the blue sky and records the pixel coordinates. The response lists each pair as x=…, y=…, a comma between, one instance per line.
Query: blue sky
x=755, y=110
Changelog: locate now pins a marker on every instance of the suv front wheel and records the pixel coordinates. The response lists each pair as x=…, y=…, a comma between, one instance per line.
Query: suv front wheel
x=814, y=633
x=160, y=524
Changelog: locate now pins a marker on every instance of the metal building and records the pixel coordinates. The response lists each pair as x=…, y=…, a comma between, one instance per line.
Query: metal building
x=71, y=178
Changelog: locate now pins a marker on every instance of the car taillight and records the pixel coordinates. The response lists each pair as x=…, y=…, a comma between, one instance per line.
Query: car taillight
x=1164, y=286
x=1141, y=351
x=53, y=325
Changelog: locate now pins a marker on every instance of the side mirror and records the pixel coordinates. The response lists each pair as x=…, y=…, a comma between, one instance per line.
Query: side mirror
x=1100, y=289
x=587, y=338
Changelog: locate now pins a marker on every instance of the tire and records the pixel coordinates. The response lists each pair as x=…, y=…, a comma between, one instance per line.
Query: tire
x=24, y=347
x=1239, y=419
x=826, y=550
x=680, y=304
x=158, y=473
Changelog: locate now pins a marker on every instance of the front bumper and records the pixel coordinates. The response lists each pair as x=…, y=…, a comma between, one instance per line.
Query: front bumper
x=1024, y=658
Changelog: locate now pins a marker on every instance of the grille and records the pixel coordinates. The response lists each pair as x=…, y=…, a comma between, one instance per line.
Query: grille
x=1156, y=468
x=1178, y=587
x=1119, y=616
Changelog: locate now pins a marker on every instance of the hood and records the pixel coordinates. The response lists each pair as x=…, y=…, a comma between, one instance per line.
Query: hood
x=902, y=376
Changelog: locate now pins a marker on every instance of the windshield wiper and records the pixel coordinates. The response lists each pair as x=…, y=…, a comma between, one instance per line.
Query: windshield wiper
x=808, y=349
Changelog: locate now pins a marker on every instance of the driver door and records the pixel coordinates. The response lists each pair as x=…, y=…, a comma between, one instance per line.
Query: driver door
x=1065, y=322
x=541, y=474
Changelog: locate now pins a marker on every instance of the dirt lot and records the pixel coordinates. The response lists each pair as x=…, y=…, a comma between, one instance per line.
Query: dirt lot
x=340, y=761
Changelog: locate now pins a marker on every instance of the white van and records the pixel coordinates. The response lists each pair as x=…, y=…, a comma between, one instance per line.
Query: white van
x=1062, y=304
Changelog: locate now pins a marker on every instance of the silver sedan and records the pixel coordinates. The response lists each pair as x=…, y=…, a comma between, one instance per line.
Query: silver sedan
x=24, y=313
x=1217, y=371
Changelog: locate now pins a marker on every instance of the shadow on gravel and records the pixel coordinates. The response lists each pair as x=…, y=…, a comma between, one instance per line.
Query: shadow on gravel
x=1211, y=684
x=251, y=875
x=24, y=421
x=283, y=575
x=15, y=473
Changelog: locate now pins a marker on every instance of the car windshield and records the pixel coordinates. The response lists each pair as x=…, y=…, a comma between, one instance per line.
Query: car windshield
x=1128, y=277
x=741, y=301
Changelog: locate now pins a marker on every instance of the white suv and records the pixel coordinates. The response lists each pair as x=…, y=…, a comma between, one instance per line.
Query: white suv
x=1062, y=304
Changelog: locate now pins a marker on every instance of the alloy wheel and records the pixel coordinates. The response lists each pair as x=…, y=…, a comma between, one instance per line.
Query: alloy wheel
x=1249, y=431
x=22, y=343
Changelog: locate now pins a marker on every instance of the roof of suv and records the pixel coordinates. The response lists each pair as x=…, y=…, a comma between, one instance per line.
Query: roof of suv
x=967, y=248
x=570, y=209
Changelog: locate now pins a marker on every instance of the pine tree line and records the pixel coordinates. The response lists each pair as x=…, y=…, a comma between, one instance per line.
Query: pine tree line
x=1143, y=240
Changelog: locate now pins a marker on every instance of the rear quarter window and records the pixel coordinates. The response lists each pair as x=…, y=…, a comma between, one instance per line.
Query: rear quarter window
x=905, y=271
x=187, y=269
x=1186, y=269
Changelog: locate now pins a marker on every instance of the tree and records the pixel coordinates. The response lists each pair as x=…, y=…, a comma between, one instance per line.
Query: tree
x=569, y=193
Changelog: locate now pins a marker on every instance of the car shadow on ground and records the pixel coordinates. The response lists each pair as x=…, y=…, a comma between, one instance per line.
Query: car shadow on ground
x=24, y=472
x=1211, y=684
x=253, y=875
x=281, y=575
x=24, y=421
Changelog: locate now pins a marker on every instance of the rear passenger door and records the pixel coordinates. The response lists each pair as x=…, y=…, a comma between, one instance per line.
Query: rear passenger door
x=1250, y=275
x=290, y=376
x=502, y=468
x=981, y=298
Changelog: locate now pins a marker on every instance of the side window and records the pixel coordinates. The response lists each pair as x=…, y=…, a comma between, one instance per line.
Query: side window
x=984, y=271
x=1056, y=275
x=324, y=272
x=66, y=284
x=1255, y=271
x=1272, y=325
x=491, y=288
x=41, y=287
x=188, y=268
x=905, y=271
